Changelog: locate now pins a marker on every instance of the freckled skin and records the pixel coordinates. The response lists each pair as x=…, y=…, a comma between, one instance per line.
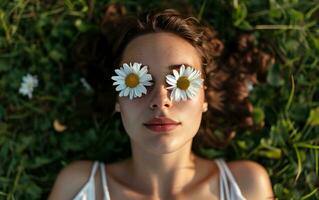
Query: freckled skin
x=158, y=51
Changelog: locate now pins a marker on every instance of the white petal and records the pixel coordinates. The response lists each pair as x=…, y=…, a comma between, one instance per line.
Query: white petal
x=26, y=77
x=192, y=91
x=143, y=71
x=117, y=83
x=120, y=87
x=127, y=68
x=143, y=89
x=126, y=91
x=30, y=95
x=198, y=75
x=120, y=73
x=147, y=83
x=131, y=94
x=177, y=94
x=23, y=91
x=149, y=77
x=183, y=95
x=171, y=79
x=35, y=81
x=182, y=70
x=170, y=83
x=171, y=87
x=137, y=92
x=192, y=74
x=196, y=83
x=121, y=93
x=138, y=65
x=187, y=72
x=146, y=77
x=117, y=78
x=176, y=74
x=189, y=94
x=136, y=68
x=173, y=94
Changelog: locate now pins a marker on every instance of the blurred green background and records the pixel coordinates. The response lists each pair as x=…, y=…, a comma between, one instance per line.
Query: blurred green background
x=40, y=135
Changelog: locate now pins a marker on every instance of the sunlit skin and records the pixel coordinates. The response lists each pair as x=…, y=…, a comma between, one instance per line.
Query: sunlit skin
x=161, y=160
x=162, y=166
x=159, y=51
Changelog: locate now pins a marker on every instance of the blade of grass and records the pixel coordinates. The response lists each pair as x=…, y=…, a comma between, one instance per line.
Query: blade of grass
x=305, y=145
x=16, y=181
x=278, y=27
x=201, y=11
x=69, y=4
x=32, y=107
x=311, y=11
x=3, y=194
x=309, y=194
x=19, y=9
x=4, y=25
x=292, y=93
x=299, y=166
x=317, y=162
x=282, y=170
x=235, y=3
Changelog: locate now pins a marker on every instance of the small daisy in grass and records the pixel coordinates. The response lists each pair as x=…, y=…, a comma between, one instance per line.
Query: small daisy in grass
x=185, y=83
x=29, y=82
x=131, y=80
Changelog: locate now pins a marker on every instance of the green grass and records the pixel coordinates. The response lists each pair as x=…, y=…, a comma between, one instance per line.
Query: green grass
x=36, y=37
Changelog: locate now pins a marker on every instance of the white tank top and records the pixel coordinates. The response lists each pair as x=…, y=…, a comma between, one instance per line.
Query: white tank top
x=228, y=190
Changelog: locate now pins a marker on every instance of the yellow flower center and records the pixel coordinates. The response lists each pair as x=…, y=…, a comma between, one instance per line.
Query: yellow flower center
x=132, y=80
x=183, y=83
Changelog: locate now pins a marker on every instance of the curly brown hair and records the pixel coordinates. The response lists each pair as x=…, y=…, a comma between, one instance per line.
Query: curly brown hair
x=227, y=72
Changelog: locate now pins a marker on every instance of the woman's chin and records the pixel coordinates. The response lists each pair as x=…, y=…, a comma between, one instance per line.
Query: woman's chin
x=165, y=147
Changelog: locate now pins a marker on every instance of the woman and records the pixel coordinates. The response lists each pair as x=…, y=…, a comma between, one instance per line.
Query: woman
x=165, y=72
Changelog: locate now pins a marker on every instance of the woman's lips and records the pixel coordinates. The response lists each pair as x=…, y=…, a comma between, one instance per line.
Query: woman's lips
x=162, y=128
x=161, y=124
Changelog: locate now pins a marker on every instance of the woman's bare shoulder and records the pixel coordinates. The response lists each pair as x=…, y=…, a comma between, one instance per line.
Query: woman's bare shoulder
x=71, y=179
x=252, y=179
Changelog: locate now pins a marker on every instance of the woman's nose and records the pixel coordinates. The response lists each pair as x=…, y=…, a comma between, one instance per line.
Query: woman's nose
x=160, y=99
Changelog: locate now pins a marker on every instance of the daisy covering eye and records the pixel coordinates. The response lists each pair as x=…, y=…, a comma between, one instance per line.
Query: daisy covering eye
x=131, y=80
x=185, y=84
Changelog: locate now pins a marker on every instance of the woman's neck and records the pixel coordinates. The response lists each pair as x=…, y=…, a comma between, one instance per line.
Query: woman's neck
x=163, y=174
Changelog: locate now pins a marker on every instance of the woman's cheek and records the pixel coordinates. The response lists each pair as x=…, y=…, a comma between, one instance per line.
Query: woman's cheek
x=131, y=109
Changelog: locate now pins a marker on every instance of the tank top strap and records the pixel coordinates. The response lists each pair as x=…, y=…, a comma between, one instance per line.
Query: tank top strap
x=223, y=183
x=93, y=171
x=228, y=185
x=104, y=182
x=232, y=179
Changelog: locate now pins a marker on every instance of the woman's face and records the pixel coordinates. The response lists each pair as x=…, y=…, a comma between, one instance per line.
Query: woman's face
x=161, y=51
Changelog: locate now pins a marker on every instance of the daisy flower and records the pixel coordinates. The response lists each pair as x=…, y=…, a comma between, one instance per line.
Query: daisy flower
x=131, y=80
x=29, y=82
x=185, y=84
